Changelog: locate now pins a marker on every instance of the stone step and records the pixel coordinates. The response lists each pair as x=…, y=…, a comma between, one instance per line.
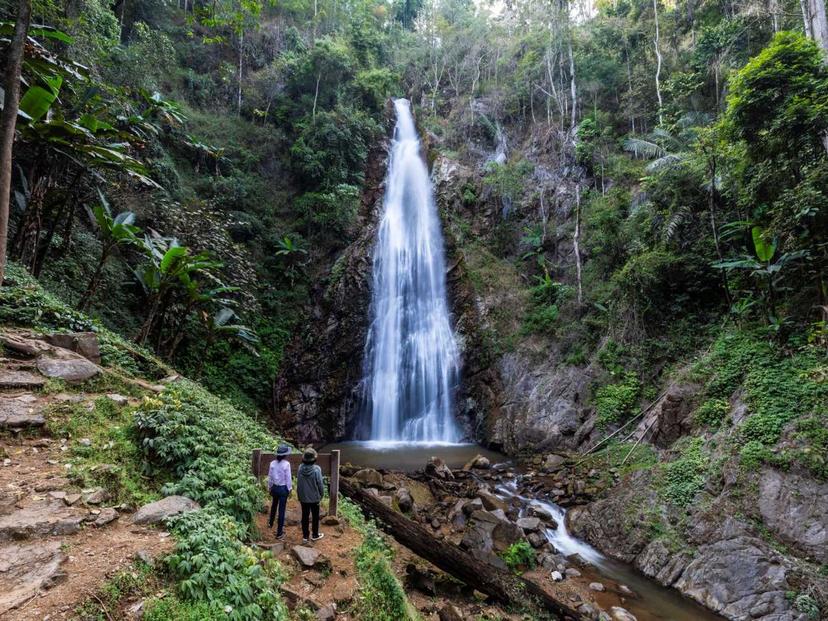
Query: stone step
x=15, y=378
x=41, y=518
x=20, y=412
x=26, y=569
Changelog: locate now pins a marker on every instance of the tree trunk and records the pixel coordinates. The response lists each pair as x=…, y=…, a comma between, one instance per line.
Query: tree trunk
x=658, y=63
x=241, y=58
x=86, y=296
x=496, y=583
x=816, y=22
x=8, y=120
x=576, y=242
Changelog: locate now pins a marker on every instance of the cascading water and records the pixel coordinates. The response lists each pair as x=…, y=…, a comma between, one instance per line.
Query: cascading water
x=411, y=358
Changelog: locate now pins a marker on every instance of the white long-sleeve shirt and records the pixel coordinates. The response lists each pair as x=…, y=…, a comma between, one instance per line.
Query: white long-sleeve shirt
x=279, y=474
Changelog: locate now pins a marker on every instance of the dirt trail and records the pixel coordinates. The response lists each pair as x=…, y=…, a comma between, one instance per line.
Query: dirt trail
x=58, y=543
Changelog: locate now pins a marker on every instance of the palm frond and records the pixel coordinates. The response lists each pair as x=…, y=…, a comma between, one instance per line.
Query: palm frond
x=643, y=148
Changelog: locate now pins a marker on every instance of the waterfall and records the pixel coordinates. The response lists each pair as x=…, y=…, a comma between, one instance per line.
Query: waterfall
x=411, y=359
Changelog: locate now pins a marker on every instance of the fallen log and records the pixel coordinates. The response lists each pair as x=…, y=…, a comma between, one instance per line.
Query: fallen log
x=498, y=584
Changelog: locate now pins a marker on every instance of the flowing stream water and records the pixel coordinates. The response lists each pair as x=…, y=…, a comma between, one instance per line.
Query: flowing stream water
x=411, y=357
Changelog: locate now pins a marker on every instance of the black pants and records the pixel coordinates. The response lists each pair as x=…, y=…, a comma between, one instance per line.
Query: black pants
x=308, y=509
x=280, y=495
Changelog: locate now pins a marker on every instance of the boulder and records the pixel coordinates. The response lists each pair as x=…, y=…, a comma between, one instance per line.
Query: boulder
x=470, y=506
x=457, y=516
x=20, y=378
x=83, y=343
x=621, y=614
x=553, y=462
x=571, y=572
x=436, y=467
x=529, y=524
x=160, y=510
x=450, y=612
x=479, y=462
x=368, y=477
x=307, y=556
x=41, y=518
x=597, y=586
x=490, y=501
x=66, y=365
x=94, y=495
x=537, y=540
x=404, y=500
x=105, y=517
x=326, y=613
x=556, y=576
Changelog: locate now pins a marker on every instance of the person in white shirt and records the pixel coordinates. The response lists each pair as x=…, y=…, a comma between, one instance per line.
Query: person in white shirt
x=279, y=482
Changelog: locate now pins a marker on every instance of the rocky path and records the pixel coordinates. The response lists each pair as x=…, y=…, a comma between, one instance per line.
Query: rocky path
x=58, y=543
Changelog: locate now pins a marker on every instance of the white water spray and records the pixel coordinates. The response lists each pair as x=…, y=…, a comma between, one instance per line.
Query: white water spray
x=411, y=359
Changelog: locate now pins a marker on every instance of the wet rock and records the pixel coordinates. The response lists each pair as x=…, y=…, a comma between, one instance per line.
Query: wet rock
x=160, y=510
x=529, y=524
x=795, y=508
x=478, y=462
x=597, y=586
x=404, y=500
x=490, y=501
x=621, y=614
x=369, y=477
x=537, y=540
x=436, y=467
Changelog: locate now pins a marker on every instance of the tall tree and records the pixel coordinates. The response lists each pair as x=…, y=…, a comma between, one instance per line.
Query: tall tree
x=8, y=120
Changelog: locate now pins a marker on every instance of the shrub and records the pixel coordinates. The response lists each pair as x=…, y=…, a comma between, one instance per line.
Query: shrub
x=215, y=568
x=712, y=412
x=616, y=402
x=519, y=556
x=685, y=476
x=205, y=443
x=541, y=320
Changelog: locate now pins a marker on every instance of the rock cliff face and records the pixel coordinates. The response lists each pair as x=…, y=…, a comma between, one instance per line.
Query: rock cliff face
x=317, y=392
x=723, y=561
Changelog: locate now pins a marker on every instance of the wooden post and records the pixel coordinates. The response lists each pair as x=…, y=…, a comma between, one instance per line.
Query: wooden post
x=334, y=491
x=256, y=454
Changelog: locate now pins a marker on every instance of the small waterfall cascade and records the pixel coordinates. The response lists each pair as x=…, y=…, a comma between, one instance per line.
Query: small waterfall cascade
x=411, y=368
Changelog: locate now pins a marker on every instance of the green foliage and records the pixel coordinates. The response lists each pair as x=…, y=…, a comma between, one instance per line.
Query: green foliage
x=520, y=556
x=712, y=412
x=137, y=580
x=685, y=476
x=217, y=570
x=807, y=605
x=778, y=388
x=171, y=607
x=615, y=403
x=113, y=459
x=204, y=443
x=381, y=596
x=507, y=180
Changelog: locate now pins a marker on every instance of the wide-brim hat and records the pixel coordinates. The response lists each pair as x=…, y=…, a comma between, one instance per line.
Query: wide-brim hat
x=283, y=450
x=309, y=456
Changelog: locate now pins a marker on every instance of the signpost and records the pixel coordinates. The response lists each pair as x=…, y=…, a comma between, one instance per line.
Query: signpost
x=329, y=462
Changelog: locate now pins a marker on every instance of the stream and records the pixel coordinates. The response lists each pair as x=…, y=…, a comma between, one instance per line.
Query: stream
x=652, y=602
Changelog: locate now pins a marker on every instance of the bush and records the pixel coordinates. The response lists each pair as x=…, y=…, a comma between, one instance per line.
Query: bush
x=519, y=556
x=712, y=412
x=215, y=568
x=616, y=402
x=685, y=476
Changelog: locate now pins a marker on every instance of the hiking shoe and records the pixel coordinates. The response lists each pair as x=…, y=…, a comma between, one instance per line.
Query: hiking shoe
x=304, y=541
x=282, y=536
x=317, y=537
